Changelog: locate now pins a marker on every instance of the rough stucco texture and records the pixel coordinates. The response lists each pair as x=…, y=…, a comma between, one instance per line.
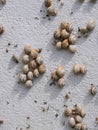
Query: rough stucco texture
x=17, y=102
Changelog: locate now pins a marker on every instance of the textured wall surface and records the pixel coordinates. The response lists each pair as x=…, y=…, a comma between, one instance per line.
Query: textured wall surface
x=16, y=102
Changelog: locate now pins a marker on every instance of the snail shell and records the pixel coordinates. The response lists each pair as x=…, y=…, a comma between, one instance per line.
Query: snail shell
x=58, y=45
x=83, y=30
x=65, y=44
x=69, y=28
x=60, y=71
x=52, y=11
x=42, y=69
x=64, y=34
x=63, y=25
x=54, y=76
x=25, y=68
x=72, y=39
x=91, y=25
x=27, y=48
x=61, y=82
x=48, y=3
x=72, y=122
x=36, y=73
x=78, y=108
x=73, y=48
x=83, y=69
x=22, y=78
x=93, y=90
x=57, y=34
x=39, y=60
x=76, y=68
x=68, y=111
x=78, y=119
x=29, y=83
x=34, y=54
x=25, y=59
x=30, y=75
x=84, y=126
x=33, y=64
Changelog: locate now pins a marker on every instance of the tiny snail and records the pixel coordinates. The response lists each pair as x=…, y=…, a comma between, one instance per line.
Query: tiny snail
x=34, y=54
x=63, y=25
x=61, y=82
x=54, y=76
x=36, y=73
x=72, y=48
x=30, y=75
x=39, y=60
x=69, y=28
x=76, y=68
x=64, y=34
x=58, y=45
x=91, y=25
x=25, y=68
x=68, y=111
x=29, y=83
x=33, y=64
x=83, y=69
x=22, y=77
x=72, y=122
x=57, y=34
x=78, y=119
x=93, y=90
x=15, y=58
x=65, y=44
x=27, y=48
x=48, y=3
x=52, y=11
x=25, y=59
x=72, y=39
x=42, y=69
x=60, y=71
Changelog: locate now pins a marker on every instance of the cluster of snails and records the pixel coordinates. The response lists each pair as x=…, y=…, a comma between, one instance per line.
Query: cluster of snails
x=64, y=38
x=50, y=9
x=88, y=28
x=78, y=68
x=58, y=76
x=75, y=117
x=33, y=65
x=93, y=89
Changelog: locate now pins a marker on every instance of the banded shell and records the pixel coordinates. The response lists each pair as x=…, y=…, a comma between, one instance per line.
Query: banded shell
x=57, y=34
x=93, y=90
x=22, y=78
x=58, y=45
x=36, y=73
x=91, y=25
x=34, y=54
x=73, y=48
x=64, y=34
x=54, y=76
x=33, y=64
x=39, y=60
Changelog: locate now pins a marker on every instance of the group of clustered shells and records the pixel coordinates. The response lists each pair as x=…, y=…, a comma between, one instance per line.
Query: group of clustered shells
x=58, y=76
x=64, y=37
x=33, y=65
x=75, y=117
x=88, y=27
x=51, y=11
